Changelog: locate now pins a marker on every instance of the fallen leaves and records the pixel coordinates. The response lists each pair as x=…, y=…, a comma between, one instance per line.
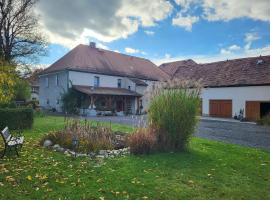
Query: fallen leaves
x=29, y=178
x=10, y=179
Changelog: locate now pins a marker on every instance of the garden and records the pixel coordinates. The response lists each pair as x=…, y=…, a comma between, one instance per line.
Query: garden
x=89, y=160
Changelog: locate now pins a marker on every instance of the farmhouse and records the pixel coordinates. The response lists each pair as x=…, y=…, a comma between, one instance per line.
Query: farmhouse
x=106, y=81
x=229, y=86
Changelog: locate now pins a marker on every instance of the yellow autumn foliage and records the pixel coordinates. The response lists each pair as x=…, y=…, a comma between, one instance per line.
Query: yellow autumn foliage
x=7, y=83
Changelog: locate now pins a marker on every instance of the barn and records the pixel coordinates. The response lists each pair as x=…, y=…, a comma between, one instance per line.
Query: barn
x=229, y=86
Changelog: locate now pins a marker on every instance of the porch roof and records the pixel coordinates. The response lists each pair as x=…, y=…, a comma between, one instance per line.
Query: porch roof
x=105, y=91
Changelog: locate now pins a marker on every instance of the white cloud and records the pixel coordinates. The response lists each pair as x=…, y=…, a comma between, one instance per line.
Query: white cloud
x=149, y=32
x=70, y=22
x=250, y=38
x=131, y=50
x=229, y=50
x=231, y=9
x=234, y=47
x=220, y=10
x=167, y=56
x=185, y=22
x=102, y=46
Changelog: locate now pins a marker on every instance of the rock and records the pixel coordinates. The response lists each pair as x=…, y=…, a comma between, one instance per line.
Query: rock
x=47, y=143
x=60, y=149
x=56, y=146
x=100, y=156
x=102, y=152
x=81, y=155
x=92, y=154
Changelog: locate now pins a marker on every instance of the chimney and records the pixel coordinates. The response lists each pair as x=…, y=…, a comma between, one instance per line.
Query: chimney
x=92, y=45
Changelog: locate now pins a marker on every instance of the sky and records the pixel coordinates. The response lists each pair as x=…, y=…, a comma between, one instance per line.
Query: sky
x=159, y=30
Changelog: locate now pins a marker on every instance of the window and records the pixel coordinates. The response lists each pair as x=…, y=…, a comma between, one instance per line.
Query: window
x=48, y=102
x=47, y=82
x=96, y=81
x=119, y=83
x=57, y=80
x=129, y=88
x=57, y=101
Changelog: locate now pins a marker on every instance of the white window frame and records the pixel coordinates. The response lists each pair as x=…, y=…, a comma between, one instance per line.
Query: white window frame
x=47, y=82
x=119, y=81
x=57, y=80
x=96, y=81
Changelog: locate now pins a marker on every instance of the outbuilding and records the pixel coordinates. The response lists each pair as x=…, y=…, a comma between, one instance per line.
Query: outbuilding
x=229, y=87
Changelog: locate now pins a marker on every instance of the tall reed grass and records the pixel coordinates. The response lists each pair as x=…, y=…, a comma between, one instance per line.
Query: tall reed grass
x=172, y=111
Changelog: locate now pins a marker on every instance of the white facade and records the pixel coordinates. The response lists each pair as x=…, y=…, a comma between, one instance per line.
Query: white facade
x=87, y=79
x=51, y=90
x=238, y=95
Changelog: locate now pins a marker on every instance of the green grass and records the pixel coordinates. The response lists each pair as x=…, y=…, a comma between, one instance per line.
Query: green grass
x=211, y=170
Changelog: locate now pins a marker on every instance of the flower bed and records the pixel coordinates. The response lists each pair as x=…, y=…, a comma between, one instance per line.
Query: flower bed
x=92, y=139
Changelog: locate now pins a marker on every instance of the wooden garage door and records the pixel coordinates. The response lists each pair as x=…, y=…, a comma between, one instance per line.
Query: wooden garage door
x=252, y=110
x=220, y=108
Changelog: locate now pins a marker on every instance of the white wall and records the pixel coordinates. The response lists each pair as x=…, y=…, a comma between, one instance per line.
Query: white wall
x=87, y=79
x=52, y=94
x=238, y=95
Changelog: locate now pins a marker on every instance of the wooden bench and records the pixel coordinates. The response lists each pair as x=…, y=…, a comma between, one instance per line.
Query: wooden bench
x=11, y=142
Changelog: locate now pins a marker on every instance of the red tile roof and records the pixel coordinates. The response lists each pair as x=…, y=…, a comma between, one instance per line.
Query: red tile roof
x=238, y=72
x=105, y=91
x=89, y=59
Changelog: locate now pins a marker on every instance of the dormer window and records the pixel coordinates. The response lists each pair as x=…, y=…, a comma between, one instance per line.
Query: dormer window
x=119, y=83
x=96, y=81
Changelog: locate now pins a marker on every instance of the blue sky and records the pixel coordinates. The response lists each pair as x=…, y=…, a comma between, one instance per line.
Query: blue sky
x=161, y=31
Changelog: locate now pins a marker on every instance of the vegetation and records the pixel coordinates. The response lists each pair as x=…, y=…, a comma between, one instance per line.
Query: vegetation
x=264, y=120
x=209, y=170
x=70, y=102
x=142, y=141
x=16, y=118
x=172, y=117
x=22, y=90
x=92, y=136
x=7, y=83
x=20, y=38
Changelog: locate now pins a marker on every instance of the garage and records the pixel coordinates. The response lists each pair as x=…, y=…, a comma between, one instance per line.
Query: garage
x=220, y=108
x=256, y=109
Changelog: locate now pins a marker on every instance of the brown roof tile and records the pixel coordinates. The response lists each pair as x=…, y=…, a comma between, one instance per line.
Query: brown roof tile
x=95, y=60
x=238, y=72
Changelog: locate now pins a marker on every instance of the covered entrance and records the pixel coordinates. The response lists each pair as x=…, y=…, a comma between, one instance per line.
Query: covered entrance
x=220, y=108
x=107, y=101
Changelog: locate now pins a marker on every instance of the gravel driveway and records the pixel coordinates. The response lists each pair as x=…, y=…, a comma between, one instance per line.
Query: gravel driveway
x=246, y=134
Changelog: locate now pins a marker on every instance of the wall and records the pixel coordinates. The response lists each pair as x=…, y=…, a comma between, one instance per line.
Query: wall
x=239, y=96
x=142, y=90
x=87, y=79
x=53, y=92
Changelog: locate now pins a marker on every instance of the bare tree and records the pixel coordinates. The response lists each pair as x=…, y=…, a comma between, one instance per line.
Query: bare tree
x=20, y=38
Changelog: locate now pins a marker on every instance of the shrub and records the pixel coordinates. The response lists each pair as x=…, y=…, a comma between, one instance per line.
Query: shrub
x=142, y=141
x=70, y=102
x=91, y=137
x=173, y=109
x=39, y=113
x=16, y=118
x=264, y=120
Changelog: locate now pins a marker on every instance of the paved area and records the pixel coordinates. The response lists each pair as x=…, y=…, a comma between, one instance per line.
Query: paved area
x=231, y=131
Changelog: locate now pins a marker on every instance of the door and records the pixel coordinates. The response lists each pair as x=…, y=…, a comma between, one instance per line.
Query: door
x=220, y=108
x=252, y=110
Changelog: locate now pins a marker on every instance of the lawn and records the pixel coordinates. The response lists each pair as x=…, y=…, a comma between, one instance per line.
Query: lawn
x=210, y=170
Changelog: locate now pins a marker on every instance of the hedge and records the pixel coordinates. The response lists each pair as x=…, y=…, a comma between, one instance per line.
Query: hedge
x=16, y=118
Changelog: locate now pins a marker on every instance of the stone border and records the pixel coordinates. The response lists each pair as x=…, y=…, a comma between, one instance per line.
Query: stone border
x=101, y=154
